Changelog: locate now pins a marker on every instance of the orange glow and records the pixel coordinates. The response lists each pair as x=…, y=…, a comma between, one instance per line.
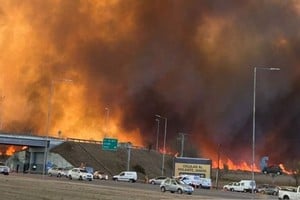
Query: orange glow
x=13, y=149
x=235, y=166
x=10, y=150
x=24, y=147
x=284, y=169
x=167, y=151
x=102, y=46
x=33, y=59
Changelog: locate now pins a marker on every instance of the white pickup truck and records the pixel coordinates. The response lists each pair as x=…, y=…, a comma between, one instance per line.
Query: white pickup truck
x=292, y=193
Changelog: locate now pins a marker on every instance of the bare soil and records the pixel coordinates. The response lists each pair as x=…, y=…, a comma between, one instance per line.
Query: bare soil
x=26, y=188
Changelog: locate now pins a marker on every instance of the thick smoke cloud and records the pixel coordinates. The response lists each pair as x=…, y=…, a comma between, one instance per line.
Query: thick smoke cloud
x=189, y=61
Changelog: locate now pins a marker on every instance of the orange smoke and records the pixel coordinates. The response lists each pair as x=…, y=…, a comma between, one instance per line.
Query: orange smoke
x=113, y=51
x=30, y=60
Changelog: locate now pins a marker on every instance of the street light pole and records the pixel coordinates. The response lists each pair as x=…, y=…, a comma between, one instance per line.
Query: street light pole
x=254, y=112
x=218, y=167
x=164, y=148
x=157, y=134
x=48, y=119
x=1, y=100
x=106, y=121
x=182, y=143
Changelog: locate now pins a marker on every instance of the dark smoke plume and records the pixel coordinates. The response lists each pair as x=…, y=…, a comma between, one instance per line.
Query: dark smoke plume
x=189, y=61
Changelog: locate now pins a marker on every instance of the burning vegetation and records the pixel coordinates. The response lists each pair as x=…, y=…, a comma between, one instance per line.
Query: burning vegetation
x=191, y=62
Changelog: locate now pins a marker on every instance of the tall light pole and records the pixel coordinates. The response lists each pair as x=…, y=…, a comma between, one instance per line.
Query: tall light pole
x=182, y=143
x=164, y=148
x=49, y=117
x=253, y=128
x=157, y=133
x=218, y=167
x=1, y=100
x=106, y=121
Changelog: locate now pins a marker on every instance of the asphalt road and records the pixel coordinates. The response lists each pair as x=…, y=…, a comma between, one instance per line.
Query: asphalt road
x=30, y=186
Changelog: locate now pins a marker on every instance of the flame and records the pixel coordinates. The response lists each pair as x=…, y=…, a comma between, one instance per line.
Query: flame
x=10, y=150
x=166, y=151
x=244, y=166
x=235, y=166
x=31, y=72
x=36, y=49
x=285, y=170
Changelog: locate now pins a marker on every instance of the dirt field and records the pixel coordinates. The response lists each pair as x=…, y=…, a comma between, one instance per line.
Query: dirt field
x=25, y=188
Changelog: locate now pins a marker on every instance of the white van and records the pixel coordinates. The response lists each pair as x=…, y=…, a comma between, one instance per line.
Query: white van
x=196, y=181
x=130, y=176
x=205, y=183
x=244, y=186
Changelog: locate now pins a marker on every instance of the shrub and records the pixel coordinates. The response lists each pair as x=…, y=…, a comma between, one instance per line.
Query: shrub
x=139, y=168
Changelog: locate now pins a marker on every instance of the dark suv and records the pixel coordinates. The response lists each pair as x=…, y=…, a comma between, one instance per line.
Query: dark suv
x=272, y=169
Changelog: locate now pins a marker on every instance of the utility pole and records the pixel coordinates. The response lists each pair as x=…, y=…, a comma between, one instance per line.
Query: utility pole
x=218, y=167
x=47, y=142
x=157, y=134
x=164, y=148
x=129, y=146
x=106, y=121
x=1, y=100
x=182, y=143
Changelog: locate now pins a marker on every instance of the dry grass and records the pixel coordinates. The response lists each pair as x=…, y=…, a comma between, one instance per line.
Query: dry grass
x=112, y=162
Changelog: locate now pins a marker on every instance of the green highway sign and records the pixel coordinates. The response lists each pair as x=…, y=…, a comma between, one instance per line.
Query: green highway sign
x=109, y=144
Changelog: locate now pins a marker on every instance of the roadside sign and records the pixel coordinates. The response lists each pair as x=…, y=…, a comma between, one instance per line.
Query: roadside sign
x=109, y=144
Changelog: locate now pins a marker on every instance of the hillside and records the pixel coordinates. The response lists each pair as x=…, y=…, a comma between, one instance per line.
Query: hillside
x=112, y=162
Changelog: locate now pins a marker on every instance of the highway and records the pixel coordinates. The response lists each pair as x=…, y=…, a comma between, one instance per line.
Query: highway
x=141, y=188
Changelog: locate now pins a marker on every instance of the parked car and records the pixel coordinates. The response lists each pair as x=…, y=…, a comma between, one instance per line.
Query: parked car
x=272, y=169
x=130, y=176
x=80, y=174
x=268, y=189
x=100, y=175
x=4, y=170
x=157, y=180
x=174, y=185
x=57, y=171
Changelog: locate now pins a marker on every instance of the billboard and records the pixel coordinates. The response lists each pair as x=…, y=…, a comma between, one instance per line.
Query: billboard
x=194, y=166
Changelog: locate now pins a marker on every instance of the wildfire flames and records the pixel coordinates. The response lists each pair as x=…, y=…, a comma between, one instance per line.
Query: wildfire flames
x=10, y=150
x=129, y=60
x=232, y=166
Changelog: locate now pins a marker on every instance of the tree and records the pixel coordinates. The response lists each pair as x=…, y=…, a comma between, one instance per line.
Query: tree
x=139, y=168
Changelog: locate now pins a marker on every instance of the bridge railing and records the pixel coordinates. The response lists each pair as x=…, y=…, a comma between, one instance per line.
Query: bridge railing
x=121, y=144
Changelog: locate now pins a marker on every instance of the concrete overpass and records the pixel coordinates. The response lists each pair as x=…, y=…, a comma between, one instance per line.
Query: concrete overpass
x=33, y=157
x=30, y=141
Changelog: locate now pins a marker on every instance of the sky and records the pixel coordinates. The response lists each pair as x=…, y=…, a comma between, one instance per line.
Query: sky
x=191, y=62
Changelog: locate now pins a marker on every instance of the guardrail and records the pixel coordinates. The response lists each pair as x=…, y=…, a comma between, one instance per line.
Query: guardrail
x=120, y=144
